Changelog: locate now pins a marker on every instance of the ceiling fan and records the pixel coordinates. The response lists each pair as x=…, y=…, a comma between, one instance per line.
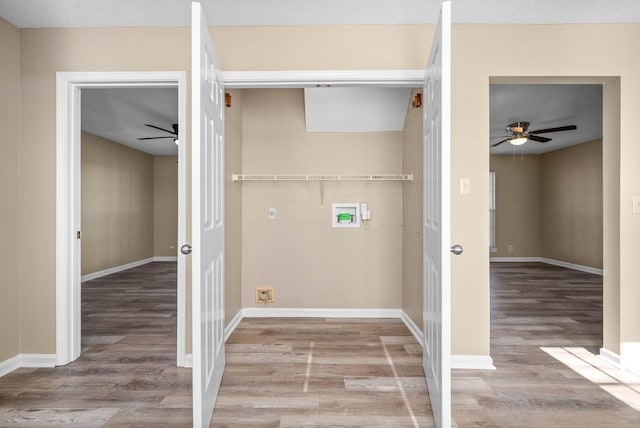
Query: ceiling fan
x=518, y=133
x=174, y=133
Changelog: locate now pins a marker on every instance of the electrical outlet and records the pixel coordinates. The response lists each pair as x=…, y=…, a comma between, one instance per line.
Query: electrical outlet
x=510, y=248
x=265, y=295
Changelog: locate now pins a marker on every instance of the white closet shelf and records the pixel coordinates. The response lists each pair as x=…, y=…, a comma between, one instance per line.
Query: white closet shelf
x=322, y=177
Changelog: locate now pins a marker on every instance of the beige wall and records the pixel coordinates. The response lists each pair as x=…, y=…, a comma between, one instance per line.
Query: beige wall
x=311, y=264
x=46, y=51
x=478, y=55
x=117, y=204
x=569, y=51
x=517, y=205
x=412, y=231
x=571, y=208
x=43, y=53
x=165, y=206
x=233, y=205
x=9, y=189
x=551, y=205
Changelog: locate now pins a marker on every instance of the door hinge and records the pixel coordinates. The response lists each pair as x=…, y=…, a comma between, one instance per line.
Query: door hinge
x=78, y=235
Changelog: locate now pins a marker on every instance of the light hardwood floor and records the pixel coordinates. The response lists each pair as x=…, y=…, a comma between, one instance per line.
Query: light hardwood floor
x=536, y=306
x=354, y=372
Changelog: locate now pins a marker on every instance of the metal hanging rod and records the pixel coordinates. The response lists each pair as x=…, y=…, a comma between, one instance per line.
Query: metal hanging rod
x=322, y=177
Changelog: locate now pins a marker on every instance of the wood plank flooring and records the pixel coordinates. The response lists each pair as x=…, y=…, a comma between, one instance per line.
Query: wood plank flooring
x=322, y=372
x=546, y=324
x=537, y=306
x=126, y=375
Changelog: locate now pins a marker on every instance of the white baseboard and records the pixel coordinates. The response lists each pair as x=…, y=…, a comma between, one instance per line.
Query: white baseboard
x=472, y=362
x=165, y=258
x=116, y=269
x=230, y=328
x=515, y=259
x=319, y=313
x=7, y=366
x=188, y=360
x=587, y=269
x=611, y=357
x=27, y=360
x=582, y=268
x=413, y=328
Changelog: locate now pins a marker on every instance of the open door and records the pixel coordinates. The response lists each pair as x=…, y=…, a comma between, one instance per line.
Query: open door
x=437, y=264
x=207, y=222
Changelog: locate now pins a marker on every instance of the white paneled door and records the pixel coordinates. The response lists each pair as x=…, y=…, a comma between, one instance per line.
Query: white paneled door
x=207, y=230
x=437, y=271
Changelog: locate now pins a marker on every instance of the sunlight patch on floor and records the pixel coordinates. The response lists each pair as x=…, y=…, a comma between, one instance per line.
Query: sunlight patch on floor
x=622, y=384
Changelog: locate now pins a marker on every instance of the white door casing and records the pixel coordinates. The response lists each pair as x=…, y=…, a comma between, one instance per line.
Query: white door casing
x=207, y=198
x=437, y=263
x=68, y=109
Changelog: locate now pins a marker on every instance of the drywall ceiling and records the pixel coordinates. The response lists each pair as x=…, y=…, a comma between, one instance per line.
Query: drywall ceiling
x=115, y=13
x=545, y=106
x=120, y=114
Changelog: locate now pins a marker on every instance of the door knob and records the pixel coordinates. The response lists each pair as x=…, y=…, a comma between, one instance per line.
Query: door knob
x=185, y=249
x=457, y=249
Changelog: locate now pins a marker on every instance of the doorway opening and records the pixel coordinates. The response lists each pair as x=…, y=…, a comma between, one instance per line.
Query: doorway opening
x=556, y=207
x=68, y=201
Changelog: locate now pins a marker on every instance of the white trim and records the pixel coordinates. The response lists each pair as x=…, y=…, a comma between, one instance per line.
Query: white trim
x=611, y=357
x=319, y=313
x=188, y=361
x=311, y=78
x=230, y=328
x=413, y=328
x=516, y=259
x=472, y=362
x=581, y=268
x=7, y=366
x=573, y=266
x=27, y=360
x=68, y=86
x=164, y=259
x=115, y=269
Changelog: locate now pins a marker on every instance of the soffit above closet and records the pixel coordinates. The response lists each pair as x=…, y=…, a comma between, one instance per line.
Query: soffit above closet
x=355, y=109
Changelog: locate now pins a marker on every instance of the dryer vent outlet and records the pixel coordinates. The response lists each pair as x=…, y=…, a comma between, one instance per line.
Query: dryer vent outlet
x=264, y=295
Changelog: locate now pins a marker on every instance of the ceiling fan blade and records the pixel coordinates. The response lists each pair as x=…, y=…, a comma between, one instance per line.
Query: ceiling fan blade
x=538, y=138
x=153, y=138
x=161, y=129
x=500, y=142
x=558, y=129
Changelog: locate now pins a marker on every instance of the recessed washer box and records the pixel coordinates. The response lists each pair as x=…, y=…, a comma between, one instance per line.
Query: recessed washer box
x=345, y=215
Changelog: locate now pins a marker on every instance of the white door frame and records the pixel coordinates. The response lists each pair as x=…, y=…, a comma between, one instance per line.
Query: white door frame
x=68, y=86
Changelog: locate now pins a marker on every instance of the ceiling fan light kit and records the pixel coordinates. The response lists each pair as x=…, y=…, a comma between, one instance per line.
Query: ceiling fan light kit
x=518, y=140
x=518, y=133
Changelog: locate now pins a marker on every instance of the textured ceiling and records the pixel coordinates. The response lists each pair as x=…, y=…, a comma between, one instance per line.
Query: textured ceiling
x=545, y=106
x=120, y=114
x=115, y=13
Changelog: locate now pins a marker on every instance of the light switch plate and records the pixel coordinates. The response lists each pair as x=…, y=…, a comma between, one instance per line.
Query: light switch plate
x=465, y=186
x=272, y=214
x=636, y=205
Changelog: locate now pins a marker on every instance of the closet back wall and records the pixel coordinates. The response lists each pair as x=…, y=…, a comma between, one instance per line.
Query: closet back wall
x=309, y=263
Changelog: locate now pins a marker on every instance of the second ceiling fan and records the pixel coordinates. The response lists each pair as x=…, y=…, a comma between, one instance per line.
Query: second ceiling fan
x=174, y=133
x=519, y=135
